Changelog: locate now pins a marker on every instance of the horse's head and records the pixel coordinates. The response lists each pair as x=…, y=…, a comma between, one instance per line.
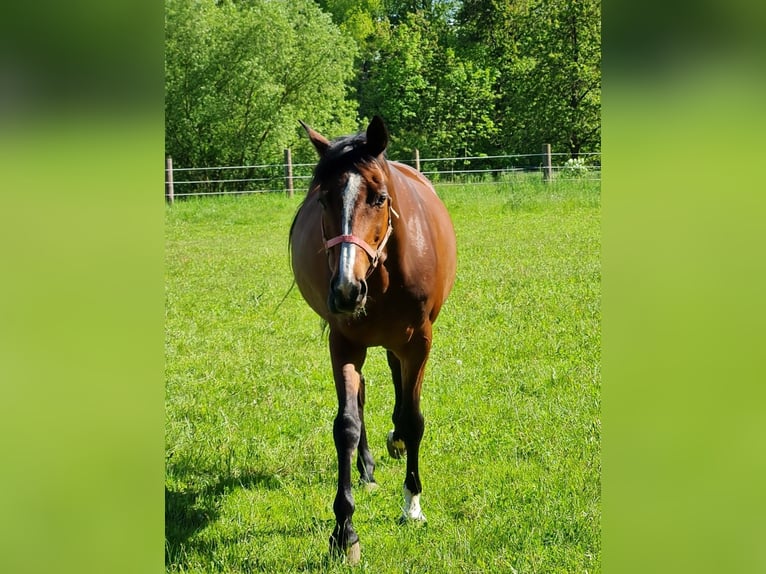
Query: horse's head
x=351, y=184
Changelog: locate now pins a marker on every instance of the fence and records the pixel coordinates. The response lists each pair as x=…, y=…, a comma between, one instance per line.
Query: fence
x=288, y=176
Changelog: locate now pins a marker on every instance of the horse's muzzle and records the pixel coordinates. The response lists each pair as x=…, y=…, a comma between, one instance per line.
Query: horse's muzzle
x=347, y=297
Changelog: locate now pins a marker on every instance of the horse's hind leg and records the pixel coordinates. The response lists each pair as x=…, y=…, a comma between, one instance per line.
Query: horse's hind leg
x=394, y=442
x=347, y=361
x=364, y=461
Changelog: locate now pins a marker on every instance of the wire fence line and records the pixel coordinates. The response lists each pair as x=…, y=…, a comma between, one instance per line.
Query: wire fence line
x=285, y=177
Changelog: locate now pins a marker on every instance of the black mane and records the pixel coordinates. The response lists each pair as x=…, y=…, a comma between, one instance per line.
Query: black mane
x=343, y=154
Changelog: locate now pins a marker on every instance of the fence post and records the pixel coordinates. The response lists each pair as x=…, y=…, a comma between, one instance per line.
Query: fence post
x=169, y=179
x=288, y=172
x=547, y=167
x=417, y=159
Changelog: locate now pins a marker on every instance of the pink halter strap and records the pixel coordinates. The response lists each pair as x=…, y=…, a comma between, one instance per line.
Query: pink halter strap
x=351, y=239
x=373, y=254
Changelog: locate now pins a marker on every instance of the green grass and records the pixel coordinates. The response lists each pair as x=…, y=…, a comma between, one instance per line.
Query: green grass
x=510, y=461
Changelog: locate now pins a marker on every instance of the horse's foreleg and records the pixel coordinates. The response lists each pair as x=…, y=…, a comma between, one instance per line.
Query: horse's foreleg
x=347, y=429
x=409, y=424
x=412, y=429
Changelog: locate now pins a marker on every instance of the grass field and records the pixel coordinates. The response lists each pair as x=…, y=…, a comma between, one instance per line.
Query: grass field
x=510, y=460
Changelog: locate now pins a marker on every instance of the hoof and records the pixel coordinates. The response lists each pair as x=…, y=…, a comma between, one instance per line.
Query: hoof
x=408, y=519
x=353, y=554
x=350, y=554
x=396, y=448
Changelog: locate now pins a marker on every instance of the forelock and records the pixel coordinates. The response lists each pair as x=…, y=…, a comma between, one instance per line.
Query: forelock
x=344, y=154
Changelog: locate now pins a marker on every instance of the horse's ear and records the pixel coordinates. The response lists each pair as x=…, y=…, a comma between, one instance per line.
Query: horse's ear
x=320, y=142
x=377, y=136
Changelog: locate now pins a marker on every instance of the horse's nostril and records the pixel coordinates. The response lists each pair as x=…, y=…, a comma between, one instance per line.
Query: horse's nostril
x=347, y=296
x=345, y=289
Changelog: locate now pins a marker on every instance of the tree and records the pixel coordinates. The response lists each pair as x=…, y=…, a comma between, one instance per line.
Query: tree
x=548, y=57
x=432, y=99
x=449, y=77
x=561, y=81
x=363, y=20
x=238, y=76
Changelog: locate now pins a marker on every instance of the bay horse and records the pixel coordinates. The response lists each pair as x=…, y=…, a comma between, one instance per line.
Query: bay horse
x=373, y=253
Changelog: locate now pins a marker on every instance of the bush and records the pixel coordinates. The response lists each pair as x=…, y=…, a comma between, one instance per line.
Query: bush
x=574, y=168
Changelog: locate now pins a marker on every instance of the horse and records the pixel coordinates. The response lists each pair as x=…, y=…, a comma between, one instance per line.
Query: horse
x=373, y=253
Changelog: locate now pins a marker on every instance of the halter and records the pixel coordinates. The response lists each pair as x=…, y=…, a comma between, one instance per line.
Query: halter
x=373, y=254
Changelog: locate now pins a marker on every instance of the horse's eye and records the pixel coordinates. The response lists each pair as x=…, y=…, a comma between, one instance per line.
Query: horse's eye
x=379, y=200
x=322, y=200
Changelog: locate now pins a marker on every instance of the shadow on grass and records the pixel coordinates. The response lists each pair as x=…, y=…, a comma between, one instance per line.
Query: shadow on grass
x=189, y=511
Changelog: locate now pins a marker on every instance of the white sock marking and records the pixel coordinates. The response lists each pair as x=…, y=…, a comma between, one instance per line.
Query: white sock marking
x=411, y=510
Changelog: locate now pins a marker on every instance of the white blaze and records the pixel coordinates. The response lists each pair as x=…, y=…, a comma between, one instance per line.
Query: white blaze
x=348, y=250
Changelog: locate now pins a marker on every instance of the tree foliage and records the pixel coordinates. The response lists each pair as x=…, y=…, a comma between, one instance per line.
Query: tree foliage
x=450, y=77
x=548, y=57
x=239, y=75
x=434, y=99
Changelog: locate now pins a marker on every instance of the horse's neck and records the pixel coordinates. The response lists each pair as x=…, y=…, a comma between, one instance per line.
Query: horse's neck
x=408, y=224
